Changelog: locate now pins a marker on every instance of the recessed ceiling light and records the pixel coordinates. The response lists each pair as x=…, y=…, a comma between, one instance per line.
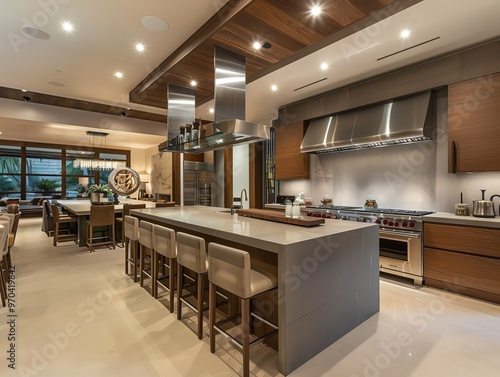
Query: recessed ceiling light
x=193, y=83
x=154, y=23
x=67, y=26
x=316, y=10
x=274, y=88
x=139, y=47
x=257, y=45
x=119, y=75
x=24, y=90
x=324, y=66
x=405, y=33
x=211, y=110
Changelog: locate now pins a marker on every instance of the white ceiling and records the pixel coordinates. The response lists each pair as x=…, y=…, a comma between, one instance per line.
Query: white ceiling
x=106, y=31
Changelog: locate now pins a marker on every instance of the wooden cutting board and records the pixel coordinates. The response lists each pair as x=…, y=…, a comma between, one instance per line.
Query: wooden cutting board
x=265, y=214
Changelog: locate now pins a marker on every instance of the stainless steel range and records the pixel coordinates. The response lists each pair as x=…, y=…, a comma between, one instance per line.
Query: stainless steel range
x=400, y=235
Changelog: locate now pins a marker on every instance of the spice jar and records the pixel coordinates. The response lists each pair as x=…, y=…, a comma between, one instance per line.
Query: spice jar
x=371, y=202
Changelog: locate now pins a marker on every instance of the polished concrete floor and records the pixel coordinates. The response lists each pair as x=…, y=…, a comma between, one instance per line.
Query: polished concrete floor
x=78, y=314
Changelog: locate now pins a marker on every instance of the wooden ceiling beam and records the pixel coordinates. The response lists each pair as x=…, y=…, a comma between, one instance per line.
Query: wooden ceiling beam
x=215, y=23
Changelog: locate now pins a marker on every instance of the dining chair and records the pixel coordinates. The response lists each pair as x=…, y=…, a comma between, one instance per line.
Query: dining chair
x=101, y=216
x=62, y=219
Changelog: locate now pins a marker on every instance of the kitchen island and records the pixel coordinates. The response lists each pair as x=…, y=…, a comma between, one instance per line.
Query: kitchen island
x=328, y=275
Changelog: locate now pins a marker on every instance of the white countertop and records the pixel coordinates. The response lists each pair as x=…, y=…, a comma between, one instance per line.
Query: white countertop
x=256, y=232
x=82, y=207
x=451, y=218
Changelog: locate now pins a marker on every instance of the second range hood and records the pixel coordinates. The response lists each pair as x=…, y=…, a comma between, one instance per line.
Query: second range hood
x=406, y=120
x=228, y=128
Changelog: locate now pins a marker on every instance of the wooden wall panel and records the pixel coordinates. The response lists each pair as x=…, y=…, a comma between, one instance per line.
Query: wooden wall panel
x=290, y=163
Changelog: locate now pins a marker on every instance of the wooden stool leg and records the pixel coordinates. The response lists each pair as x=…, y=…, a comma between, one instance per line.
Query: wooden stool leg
x=211, y=314
x=154, y=274
x=180, y=272
x=56, y=234
x=127, y=255
x=245, y=339
x=200, y=289
x=171, y=283
x=141, y=264
x=135, y=247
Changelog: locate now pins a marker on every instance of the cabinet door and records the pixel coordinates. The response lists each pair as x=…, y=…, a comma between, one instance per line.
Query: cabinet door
x=290, y=163
x=466, y=239
x=462, y=273
x=474, y=125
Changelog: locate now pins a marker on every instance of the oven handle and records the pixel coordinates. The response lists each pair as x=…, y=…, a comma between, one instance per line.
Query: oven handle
x=397, y=236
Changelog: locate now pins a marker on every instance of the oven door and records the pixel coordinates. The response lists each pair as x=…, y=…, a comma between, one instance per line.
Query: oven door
x=401, y=254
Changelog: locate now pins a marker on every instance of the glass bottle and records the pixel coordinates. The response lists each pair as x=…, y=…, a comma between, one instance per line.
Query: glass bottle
x=288, y=208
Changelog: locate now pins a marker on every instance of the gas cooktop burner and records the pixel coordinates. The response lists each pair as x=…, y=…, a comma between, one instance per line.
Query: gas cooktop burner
x=334, y=208
x=405, y=212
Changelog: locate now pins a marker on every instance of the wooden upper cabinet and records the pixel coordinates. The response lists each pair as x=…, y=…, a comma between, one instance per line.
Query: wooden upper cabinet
x=290, y=163
x=474, y=125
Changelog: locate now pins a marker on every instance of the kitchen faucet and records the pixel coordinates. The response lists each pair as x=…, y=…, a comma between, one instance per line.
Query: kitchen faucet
x=493, y=205
x=241, y=197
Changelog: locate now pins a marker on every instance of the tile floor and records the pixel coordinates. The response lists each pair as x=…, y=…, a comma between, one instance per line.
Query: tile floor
x=79, y=315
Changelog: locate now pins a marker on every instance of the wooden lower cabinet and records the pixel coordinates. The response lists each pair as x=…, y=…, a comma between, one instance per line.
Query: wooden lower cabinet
x=463, y=259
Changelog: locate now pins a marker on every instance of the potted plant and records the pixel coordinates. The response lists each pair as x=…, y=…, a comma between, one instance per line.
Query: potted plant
x=99, y=192
x=46, y=185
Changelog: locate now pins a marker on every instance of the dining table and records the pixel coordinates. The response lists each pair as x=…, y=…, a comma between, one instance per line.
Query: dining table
x=81, y=210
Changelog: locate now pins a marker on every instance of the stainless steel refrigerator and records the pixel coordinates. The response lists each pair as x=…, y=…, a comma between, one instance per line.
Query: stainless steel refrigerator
x=199, y=184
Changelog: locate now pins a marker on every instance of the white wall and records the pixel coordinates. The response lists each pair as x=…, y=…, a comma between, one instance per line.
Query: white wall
x=241, y=171
x=412, y=176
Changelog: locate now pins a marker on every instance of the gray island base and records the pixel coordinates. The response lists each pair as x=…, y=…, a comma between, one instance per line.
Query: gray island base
x=328, y=275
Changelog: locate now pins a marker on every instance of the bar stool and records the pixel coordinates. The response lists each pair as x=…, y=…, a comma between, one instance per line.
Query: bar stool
x=230, y=269
x=191, y=255
x=164, y=247
x=145, y=241
x=100, y=216
x=131, y=243
x=125, y=212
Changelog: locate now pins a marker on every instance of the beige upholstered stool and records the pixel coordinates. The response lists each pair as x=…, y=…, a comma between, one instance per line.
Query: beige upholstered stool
x=125, y=212
x=145, y=242
x=131, y=244
x=230, y=269
x=164, y=249
x=191, y=255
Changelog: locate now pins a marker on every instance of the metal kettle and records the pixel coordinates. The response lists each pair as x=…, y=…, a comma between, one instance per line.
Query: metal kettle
x=483, y=208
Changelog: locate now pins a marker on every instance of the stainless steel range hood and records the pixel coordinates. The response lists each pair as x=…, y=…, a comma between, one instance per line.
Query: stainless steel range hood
x=406, y=120
x=229, y=127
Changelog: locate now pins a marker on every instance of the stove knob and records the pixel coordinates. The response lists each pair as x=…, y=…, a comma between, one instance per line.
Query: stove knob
x=385, y=222
x=391, y=223
x=405, y=224
x=412, y=225
x=377, y=221
x=323, y=215
x=329, y=216
x=396, y=225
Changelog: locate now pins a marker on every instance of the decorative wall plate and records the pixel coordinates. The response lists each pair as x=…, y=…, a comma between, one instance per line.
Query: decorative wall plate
x=124, y=181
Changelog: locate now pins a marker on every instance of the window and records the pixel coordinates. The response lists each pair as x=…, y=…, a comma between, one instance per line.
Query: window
x=10, y=171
